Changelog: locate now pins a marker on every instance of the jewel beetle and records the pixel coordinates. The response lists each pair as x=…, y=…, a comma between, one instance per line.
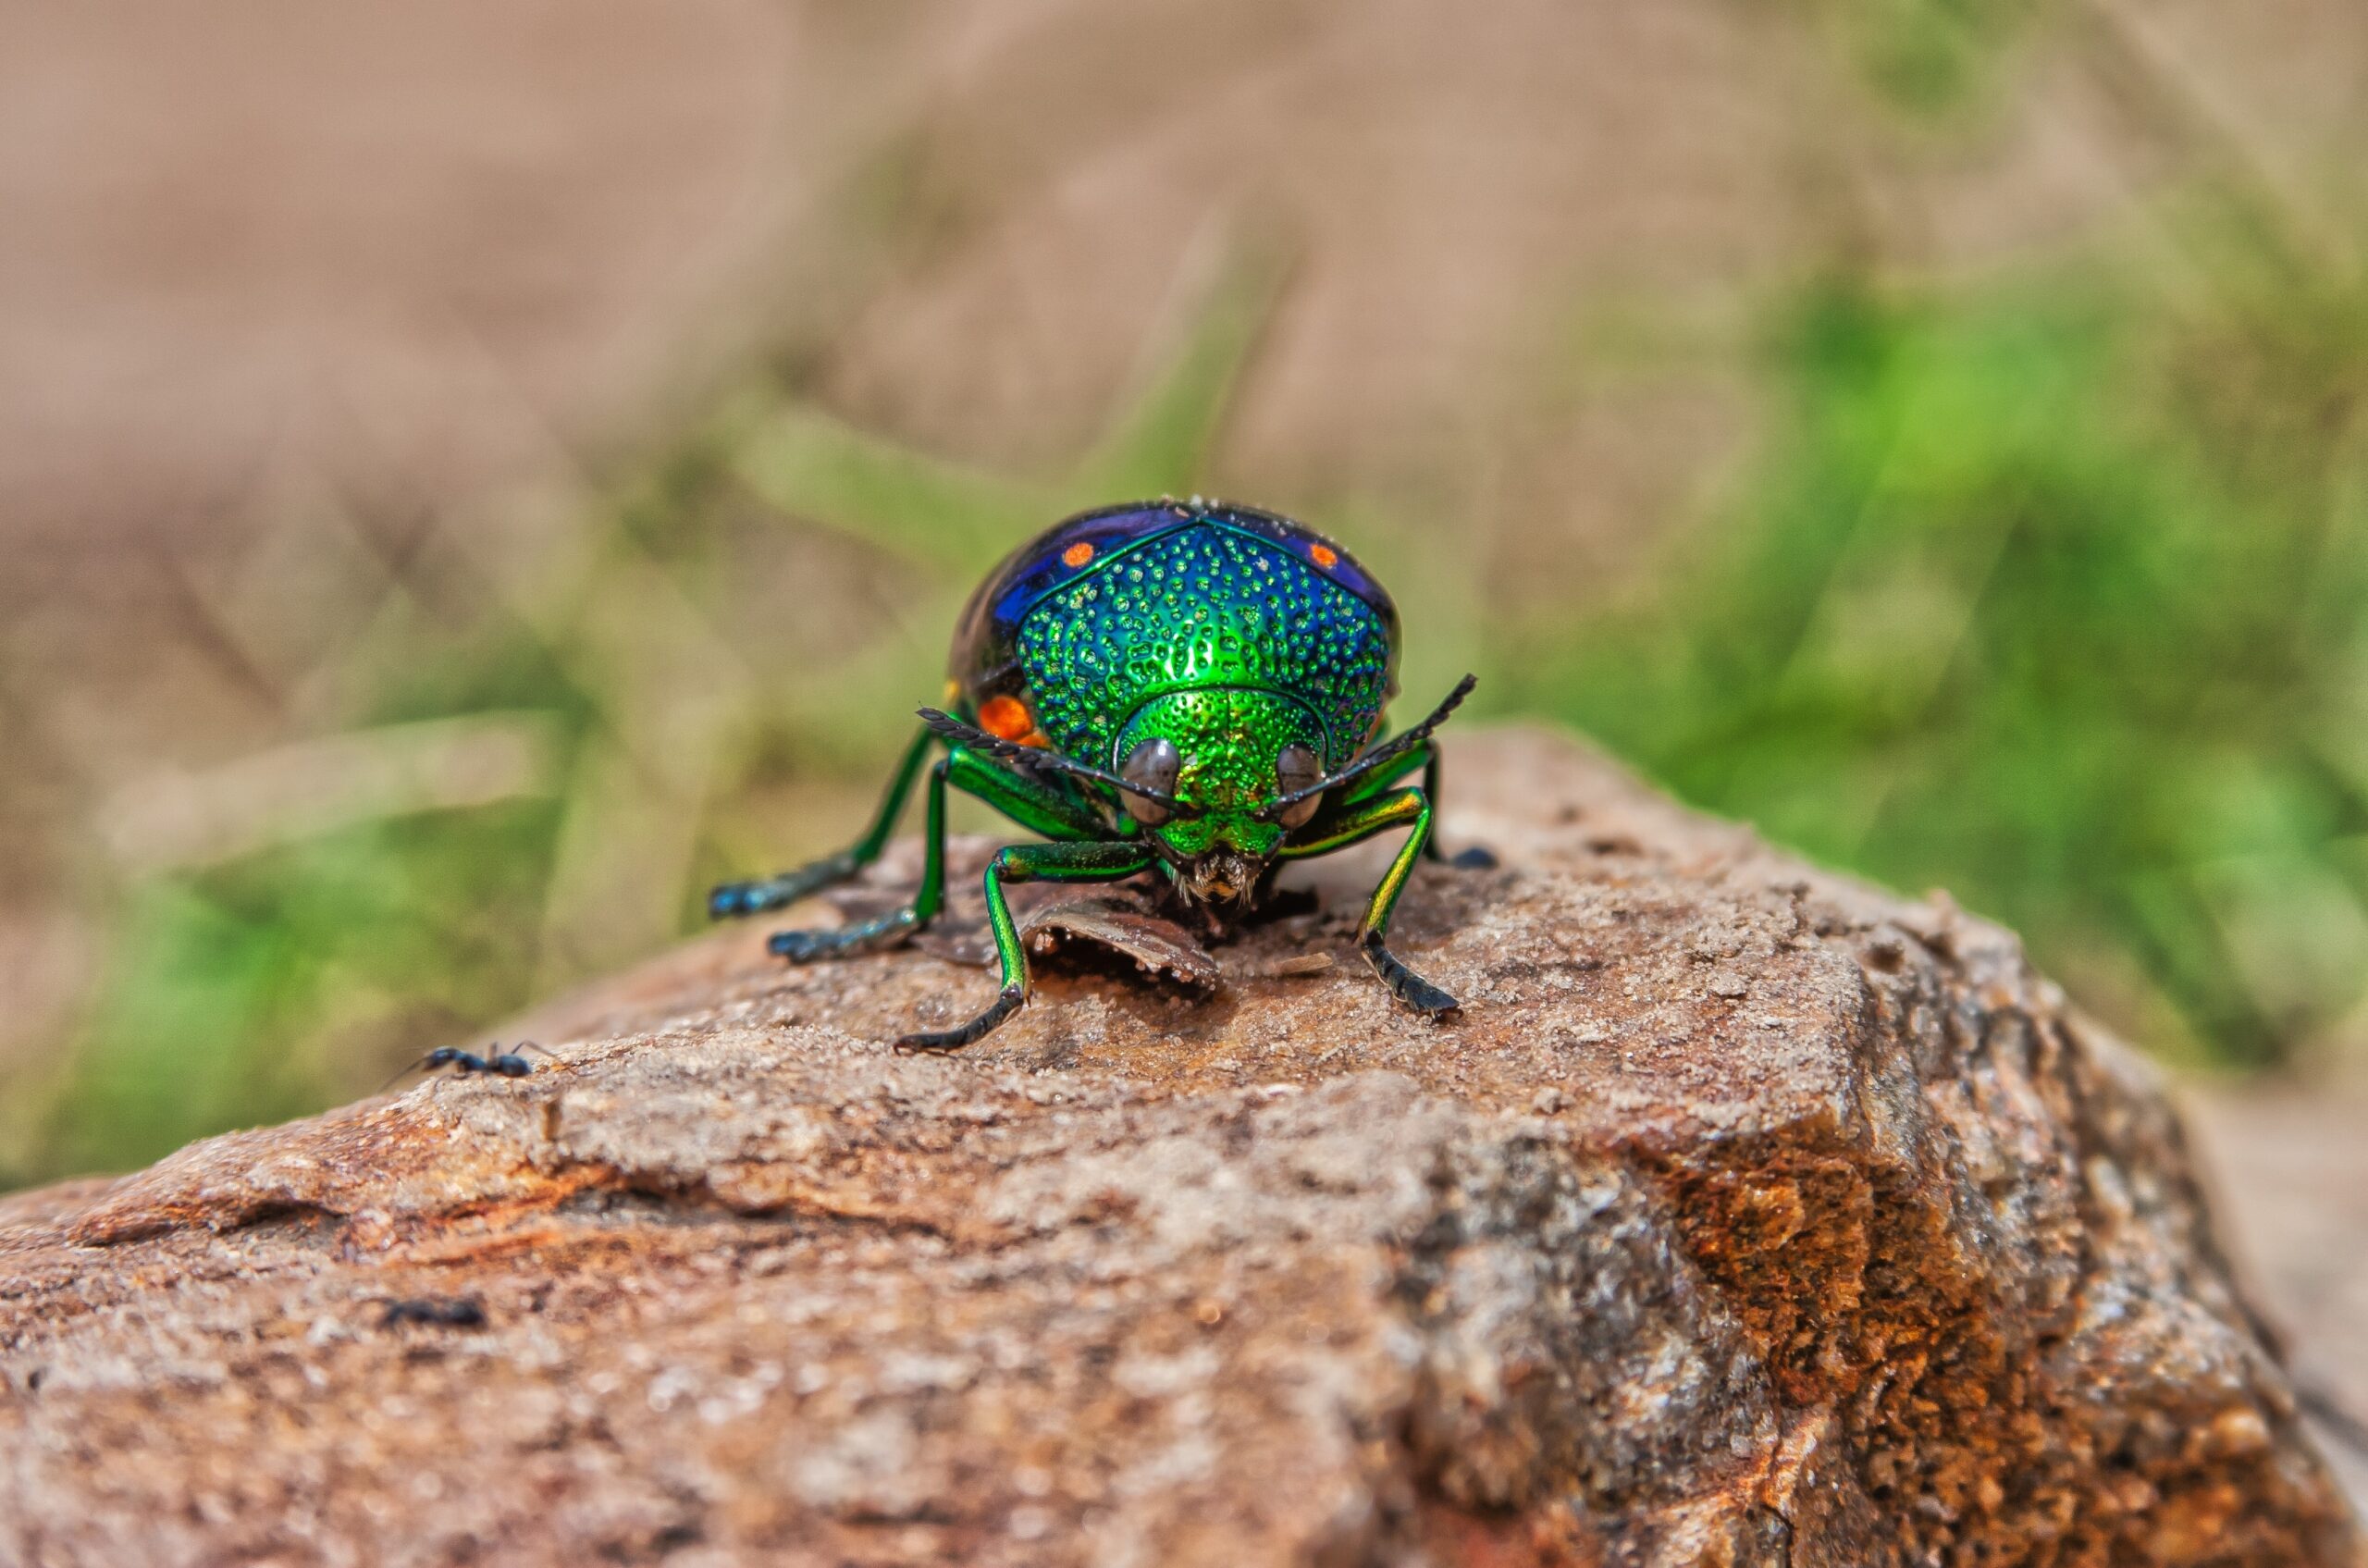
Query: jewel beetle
x=1195, y=690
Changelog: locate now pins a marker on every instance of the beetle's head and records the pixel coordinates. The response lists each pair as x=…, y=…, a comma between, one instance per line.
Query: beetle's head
x=1224, y=752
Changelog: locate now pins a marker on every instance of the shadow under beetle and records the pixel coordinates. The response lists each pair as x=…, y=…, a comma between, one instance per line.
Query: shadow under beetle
x=1195, y=689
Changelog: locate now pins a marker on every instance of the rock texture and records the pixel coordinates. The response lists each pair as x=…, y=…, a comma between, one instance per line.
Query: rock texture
x=1747, y=1215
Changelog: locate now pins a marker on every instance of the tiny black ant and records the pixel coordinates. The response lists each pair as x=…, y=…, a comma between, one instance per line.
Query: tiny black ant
x=501, y=1063
x=438, y=1312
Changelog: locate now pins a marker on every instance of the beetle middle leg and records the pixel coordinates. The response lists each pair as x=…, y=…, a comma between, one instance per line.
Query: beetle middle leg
x=893, y=928
x=733, y=899
x=1030, y=802
x=1112, y=860
x=1352, y=824
x=1473, y=857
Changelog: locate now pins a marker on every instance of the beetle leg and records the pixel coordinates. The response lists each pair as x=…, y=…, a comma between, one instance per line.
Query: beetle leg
x=734, y=898
x=1107, y=861
x=1472, y=857
x=1026, y=801
x=1426, y=757
x=1400, y=808
x=889, y=929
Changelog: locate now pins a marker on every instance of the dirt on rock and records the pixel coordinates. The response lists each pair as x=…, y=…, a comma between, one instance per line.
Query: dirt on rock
x=1746, y=1214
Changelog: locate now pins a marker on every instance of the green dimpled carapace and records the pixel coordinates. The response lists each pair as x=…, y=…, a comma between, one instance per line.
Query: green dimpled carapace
x=1188, y=691
x=1205, y=606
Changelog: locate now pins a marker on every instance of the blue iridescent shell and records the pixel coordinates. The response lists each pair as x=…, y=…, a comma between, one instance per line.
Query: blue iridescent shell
x=1098, y=615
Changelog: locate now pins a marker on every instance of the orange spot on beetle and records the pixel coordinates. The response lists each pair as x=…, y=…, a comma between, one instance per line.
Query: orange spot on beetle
x=1078, y=554
x=1005, y=718
x=1324, y=556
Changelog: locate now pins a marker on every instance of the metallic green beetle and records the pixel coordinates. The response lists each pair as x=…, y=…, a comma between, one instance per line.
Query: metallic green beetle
x=1196, y=688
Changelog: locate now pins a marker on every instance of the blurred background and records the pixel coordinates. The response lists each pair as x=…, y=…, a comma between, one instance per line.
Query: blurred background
x=472, y=473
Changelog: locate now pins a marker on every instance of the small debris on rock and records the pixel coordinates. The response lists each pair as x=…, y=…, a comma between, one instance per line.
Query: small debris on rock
x=1846, y=1288
x=1728, y=985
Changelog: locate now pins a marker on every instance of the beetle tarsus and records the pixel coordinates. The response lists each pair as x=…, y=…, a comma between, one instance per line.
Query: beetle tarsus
x=1406, y=985
x=1477, y=858
x=941, y=1042
x=733, y=900
x=839, y=942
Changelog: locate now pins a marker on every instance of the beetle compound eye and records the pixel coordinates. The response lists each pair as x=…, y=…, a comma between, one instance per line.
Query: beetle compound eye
x=1296, y=768
x=1154, y=764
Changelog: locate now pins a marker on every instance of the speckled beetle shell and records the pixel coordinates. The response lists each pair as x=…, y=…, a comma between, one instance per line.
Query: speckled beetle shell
x=1083, y=626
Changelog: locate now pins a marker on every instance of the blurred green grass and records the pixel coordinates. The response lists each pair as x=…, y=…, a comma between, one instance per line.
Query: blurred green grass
x=2045, y=587
x=2048, y=590
x=282, y=960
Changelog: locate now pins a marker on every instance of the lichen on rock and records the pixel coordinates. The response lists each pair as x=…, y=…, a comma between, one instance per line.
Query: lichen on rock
x=1748, y=1214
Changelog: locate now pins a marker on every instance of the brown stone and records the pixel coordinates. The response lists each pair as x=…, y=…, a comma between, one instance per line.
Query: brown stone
x=1748, y=1214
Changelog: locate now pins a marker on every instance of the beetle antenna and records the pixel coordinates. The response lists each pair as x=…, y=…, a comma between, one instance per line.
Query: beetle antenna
x=1388, y=751
x=969, y=737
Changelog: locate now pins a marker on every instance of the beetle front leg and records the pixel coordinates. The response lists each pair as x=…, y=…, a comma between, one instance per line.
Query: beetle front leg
x=1400, y=808
x=1475, y=857
x=1472, y=857
x=1029, y=862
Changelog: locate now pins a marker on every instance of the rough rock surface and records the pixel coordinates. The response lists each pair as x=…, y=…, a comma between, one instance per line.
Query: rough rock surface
x=1746, y=1216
